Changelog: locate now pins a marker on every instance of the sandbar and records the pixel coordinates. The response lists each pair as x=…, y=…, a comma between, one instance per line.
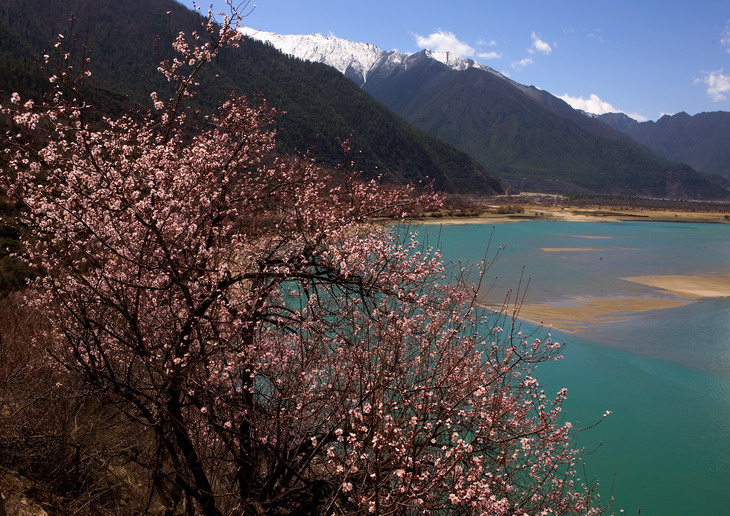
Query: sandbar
x=692, y=286
x=573, y=316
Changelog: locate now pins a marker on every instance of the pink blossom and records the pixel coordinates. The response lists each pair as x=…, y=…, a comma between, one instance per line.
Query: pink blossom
x=190, y=264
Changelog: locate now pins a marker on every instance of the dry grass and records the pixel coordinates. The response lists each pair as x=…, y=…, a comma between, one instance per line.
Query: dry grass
x=74, y=452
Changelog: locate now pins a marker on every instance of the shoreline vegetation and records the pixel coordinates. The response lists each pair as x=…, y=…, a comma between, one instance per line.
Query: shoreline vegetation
x=459, y=209
x=577, y=314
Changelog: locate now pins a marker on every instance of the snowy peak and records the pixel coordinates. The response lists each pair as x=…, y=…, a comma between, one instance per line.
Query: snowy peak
x=355, y=60
x=455, y=62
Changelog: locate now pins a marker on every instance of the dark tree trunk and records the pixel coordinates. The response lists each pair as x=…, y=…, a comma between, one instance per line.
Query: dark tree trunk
x=201, y=489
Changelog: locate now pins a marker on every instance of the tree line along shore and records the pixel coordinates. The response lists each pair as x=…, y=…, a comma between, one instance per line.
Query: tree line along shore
x=462, y=209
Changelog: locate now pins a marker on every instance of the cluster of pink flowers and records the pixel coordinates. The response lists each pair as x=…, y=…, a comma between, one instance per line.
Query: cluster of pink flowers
x=238, y=303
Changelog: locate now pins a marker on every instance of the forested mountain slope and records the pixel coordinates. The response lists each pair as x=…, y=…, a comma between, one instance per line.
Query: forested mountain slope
x=521, y=133
x=702, y=141
x=126, y=40
x=514, y=135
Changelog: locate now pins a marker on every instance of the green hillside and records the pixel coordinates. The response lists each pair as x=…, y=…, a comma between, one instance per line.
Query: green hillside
x=128, y=38
x=515, y=136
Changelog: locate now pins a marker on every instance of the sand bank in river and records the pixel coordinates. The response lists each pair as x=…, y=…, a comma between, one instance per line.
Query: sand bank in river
x=688, y=286
x=575, y=314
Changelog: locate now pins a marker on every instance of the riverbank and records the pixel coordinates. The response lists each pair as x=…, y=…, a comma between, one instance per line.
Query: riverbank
x=583, y=214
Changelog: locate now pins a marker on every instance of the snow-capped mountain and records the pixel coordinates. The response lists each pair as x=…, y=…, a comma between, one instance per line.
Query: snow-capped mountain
x=527, y=136
x=357, y=61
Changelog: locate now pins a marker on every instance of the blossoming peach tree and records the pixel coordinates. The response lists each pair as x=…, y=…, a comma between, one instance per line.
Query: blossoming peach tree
x=287, y=356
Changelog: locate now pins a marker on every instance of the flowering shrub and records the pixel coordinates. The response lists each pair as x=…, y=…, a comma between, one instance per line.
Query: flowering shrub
x=289, y=357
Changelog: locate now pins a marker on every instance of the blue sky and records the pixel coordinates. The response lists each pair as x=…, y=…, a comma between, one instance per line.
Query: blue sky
x=642, y=57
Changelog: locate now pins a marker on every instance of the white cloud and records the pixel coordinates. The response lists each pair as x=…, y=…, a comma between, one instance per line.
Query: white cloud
x=718, y=85
x=522, y=63
x=592, y=104
x=725, y=37
x=489, y=55
x=539, y=45
x=445, y=42
x=595, y=105
x=484, y=43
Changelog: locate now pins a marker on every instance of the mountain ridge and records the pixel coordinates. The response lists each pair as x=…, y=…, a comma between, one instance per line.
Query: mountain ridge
x=525, y=135
x=317, y=106
x=701, y=140
x=353, y=59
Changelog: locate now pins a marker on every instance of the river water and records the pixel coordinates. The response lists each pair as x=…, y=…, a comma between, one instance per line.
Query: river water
x=665, y=373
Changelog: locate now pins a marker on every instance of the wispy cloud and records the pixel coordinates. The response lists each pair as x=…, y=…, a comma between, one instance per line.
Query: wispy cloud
x=725, y=37
x=485, y=43
x=718, y=85
x=596, y=34
x=489, y=55
x=442, y=41
x=539, y=45
x=522, y=63
x=594, y=104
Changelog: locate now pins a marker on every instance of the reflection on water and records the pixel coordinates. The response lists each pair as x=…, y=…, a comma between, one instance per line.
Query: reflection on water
x=665, y=373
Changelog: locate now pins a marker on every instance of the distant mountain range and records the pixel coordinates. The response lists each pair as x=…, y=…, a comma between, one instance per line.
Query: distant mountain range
x=318, y=107
x=359, y=62
x=527, y=136
x=702, y=141
x=523, y=135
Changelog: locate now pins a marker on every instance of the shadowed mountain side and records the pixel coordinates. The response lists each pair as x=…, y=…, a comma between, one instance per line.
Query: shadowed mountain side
x=514, y=136
x=702, y=141
x=128, y=38
x=585, y=121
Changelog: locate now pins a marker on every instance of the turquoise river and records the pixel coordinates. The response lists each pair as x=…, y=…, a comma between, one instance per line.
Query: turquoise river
x=657, y=355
